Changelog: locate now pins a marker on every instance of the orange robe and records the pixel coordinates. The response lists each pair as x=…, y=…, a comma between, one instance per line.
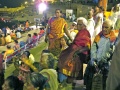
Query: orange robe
x=103, y=3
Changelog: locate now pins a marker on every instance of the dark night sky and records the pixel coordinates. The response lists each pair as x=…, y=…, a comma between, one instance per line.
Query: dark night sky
x=11, y=3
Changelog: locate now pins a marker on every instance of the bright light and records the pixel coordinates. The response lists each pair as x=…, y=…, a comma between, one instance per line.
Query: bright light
x=42, y=7
x=33, y=0
x=26, y=2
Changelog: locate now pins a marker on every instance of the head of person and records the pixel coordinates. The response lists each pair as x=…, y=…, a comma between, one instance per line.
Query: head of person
x=35, y=34
x=16, y=41
x=58, y=13
x=47, y=59
x=90, y=14
x=12, y=83
x=101, y=9
x=81, y=23
x=107, y=27
x=26, y=54
x=96, y=9
x=29, y=35
x=8, y=46
x=74, y=24
x=38, y=81
x=116, y=8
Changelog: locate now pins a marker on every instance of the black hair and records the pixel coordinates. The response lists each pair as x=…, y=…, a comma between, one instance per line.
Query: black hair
x=15, y=41
x=35, y=34
x=27, y=53
x=58, y=10
x=101, y=8
x=38, y=80
x=29, y=35
x=8, y=46
x=15, y=83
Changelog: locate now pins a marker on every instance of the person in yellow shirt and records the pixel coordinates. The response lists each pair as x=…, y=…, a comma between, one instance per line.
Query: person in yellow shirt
x=8, y=38
x=107, y=14
x=2, y=40
x=8, y=52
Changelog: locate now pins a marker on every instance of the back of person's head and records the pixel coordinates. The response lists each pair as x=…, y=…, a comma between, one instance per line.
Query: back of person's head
x=35, y=34
x=101, y=8
x=38, y=80
x=8, y=46
x=13, y=83
x=48, y=57
x=27, y=53
x=29, y=35
x=16, y=41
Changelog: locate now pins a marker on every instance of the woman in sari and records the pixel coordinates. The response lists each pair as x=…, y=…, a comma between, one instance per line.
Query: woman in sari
x=56, y=28
x=71, y=59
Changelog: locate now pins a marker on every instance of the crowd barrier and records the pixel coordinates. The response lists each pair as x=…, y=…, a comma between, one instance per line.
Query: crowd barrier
x=21, y=50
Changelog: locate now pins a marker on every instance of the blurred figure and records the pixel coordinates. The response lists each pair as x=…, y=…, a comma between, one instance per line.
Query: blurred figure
x=18, y=34
x=16, y=46
x=115, y=14
x=29, y=40
x=101, y=53
x=91, y=25
x=4, y=31
x=46, y=79
x=12, y=83
x=73, y=30
x=113, y=80
x=56, y=28
x=2, y=40
x=98, y=19
x=8, y=52
x=1, y=71
x=103, y=3
x=29, y=56
x=8, y=39
x=13, y=35
x=70, y=63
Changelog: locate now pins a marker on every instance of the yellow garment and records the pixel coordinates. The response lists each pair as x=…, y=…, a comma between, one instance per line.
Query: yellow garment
x=8, y=52
x=27, y=25
x=107, y=14
x=76, y=31
x=51, y=74
x=2, y=41
x=56, y=28
x=27, y=62
x=8, y=39
x=31, y=58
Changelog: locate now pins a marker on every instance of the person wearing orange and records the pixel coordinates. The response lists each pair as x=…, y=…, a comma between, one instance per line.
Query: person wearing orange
x=103, y=3
x=27, y=24
x=13, y=35
x=102, y=50
x=56, y=28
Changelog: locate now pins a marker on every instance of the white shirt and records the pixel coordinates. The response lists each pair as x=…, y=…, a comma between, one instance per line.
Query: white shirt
x=90, y=26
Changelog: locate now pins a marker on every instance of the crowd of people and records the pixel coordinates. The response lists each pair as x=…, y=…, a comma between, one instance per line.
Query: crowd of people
x=90, y=41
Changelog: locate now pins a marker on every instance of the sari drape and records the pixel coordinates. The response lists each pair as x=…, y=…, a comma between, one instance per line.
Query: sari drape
x=69, y=62
x=55, y=34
